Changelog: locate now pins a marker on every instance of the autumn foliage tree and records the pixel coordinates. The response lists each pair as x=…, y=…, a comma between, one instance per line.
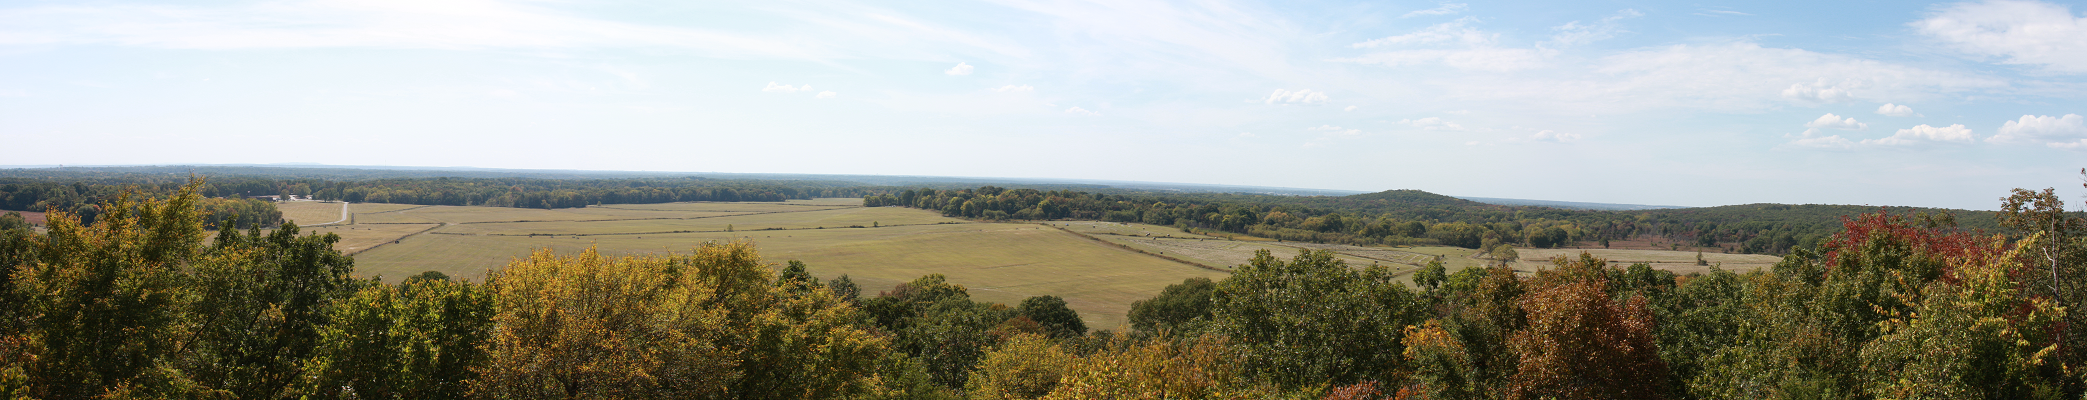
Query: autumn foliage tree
x=1580, y=343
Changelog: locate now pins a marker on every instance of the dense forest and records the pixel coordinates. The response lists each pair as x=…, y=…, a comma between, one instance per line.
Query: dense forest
x=74, y=191
x=147, y=304
x=1417, y=217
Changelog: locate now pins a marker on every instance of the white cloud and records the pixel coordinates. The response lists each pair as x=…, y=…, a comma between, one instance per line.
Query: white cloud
x=827, y=95
x=1080, y=111
x=1445, y=9
x=1433, y=124
x=960, y=69
x=1350, y=108
x=1015, y=88
x=1299, y=96
x=1895, y=110
x=1830, y=121
x=1575, y=33
x=1549, y=135
x=779, y=88
x=1819, y=91
x=2052, y=131
x=2079, y=145
x=1924, y=134
x=1335, y=130
x=2020, y=32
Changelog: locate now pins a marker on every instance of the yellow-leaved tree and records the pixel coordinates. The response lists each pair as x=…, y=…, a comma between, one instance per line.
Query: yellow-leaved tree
x=712, y=324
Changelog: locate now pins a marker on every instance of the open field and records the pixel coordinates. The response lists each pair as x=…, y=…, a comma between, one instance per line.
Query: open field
x=1000, y=262
x=33, y=217
x=359, y=238
x=1223, y=253
x=1098, y=267
x=308, y=213
x=1680, y=262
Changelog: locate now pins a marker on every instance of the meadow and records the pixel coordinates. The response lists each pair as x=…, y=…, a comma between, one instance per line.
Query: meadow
x=309, y=213
x=877, y=247
x=1098, y=267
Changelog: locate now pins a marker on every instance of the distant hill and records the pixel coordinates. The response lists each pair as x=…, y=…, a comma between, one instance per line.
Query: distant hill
x=1574, y=205
x=1410, y=197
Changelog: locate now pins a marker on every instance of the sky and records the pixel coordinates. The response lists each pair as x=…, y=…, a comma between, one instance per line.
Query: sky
x=1644, y=102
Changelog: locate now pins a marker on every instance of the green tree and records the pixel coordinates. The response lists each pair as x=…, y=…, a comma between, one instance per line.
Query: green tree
x=1050, y=311
x=1313, y=319
x=424, y=338
x=1180, y=308
x=103, y=303
x=260, y=304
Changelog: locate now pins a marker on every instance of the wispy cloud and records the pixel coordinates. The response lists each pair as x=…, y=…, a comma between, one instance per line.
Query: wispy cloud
x=1721, y=13
x=960, y=69
x=1575, y=33
x=781, y=88
x=1299, y=96
x=2018, y=32
x=1444, y=9
x=1433, y=124
x=406, y=24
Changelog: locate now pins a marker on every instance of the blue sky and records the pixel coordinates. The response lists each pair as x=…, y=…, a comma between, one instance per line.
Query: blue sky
x=1899, y=103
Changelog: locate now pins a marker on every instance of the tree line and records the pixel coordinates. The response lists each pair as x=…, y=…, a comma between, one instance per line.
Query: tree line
x=1403, y=217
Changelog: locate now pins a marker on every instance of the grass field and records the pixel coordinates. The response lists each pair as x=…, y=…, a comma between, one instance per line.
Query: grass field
x=1000, y=262
x=1226, y=253
x=356, y=239
x=310, y=212
x=1680, y=262
x=1098, y=267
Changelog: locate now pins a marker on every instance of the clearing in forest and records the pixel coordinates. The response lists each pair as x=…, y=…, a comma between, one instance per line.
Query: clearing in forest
x=877, y=247
x=307, y=213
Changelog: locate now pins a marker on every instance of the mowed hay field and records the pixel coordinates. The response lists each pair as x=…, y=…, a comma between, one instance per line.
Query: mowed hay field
x=308, y=213
x=1226, y=253
x=1000, y=262
x=1680, y=262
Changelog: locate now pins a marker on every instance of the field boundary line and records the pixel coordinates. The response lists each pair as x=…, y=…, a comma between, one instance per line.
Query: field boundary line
x=694, y=202
x=396, y=240
x=398, y=210
x=674, y=232
x=1140, y=251
x=643, y=219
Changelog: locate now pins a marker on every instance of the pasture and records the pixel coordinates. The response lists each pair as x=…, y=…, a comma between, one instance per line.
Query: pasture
x=1000, y=262
x=1680, y=262
x=1098, y=267
x=307, y=213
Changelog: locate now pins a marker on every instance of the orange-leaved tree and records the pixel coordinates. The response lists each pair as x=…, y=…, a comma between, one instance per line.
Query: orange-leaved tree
x=1582, y=344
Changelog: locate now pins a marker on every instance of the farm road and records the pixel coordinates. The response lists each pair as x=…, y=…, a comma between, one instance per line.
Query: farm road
x=344, y=216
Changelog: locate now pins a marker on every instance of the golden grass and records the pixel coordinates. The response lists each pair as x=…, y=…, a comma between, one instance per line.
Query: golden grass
x=1680, y=262
x=362, y=237
x=999, y=262
x=310, y=212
